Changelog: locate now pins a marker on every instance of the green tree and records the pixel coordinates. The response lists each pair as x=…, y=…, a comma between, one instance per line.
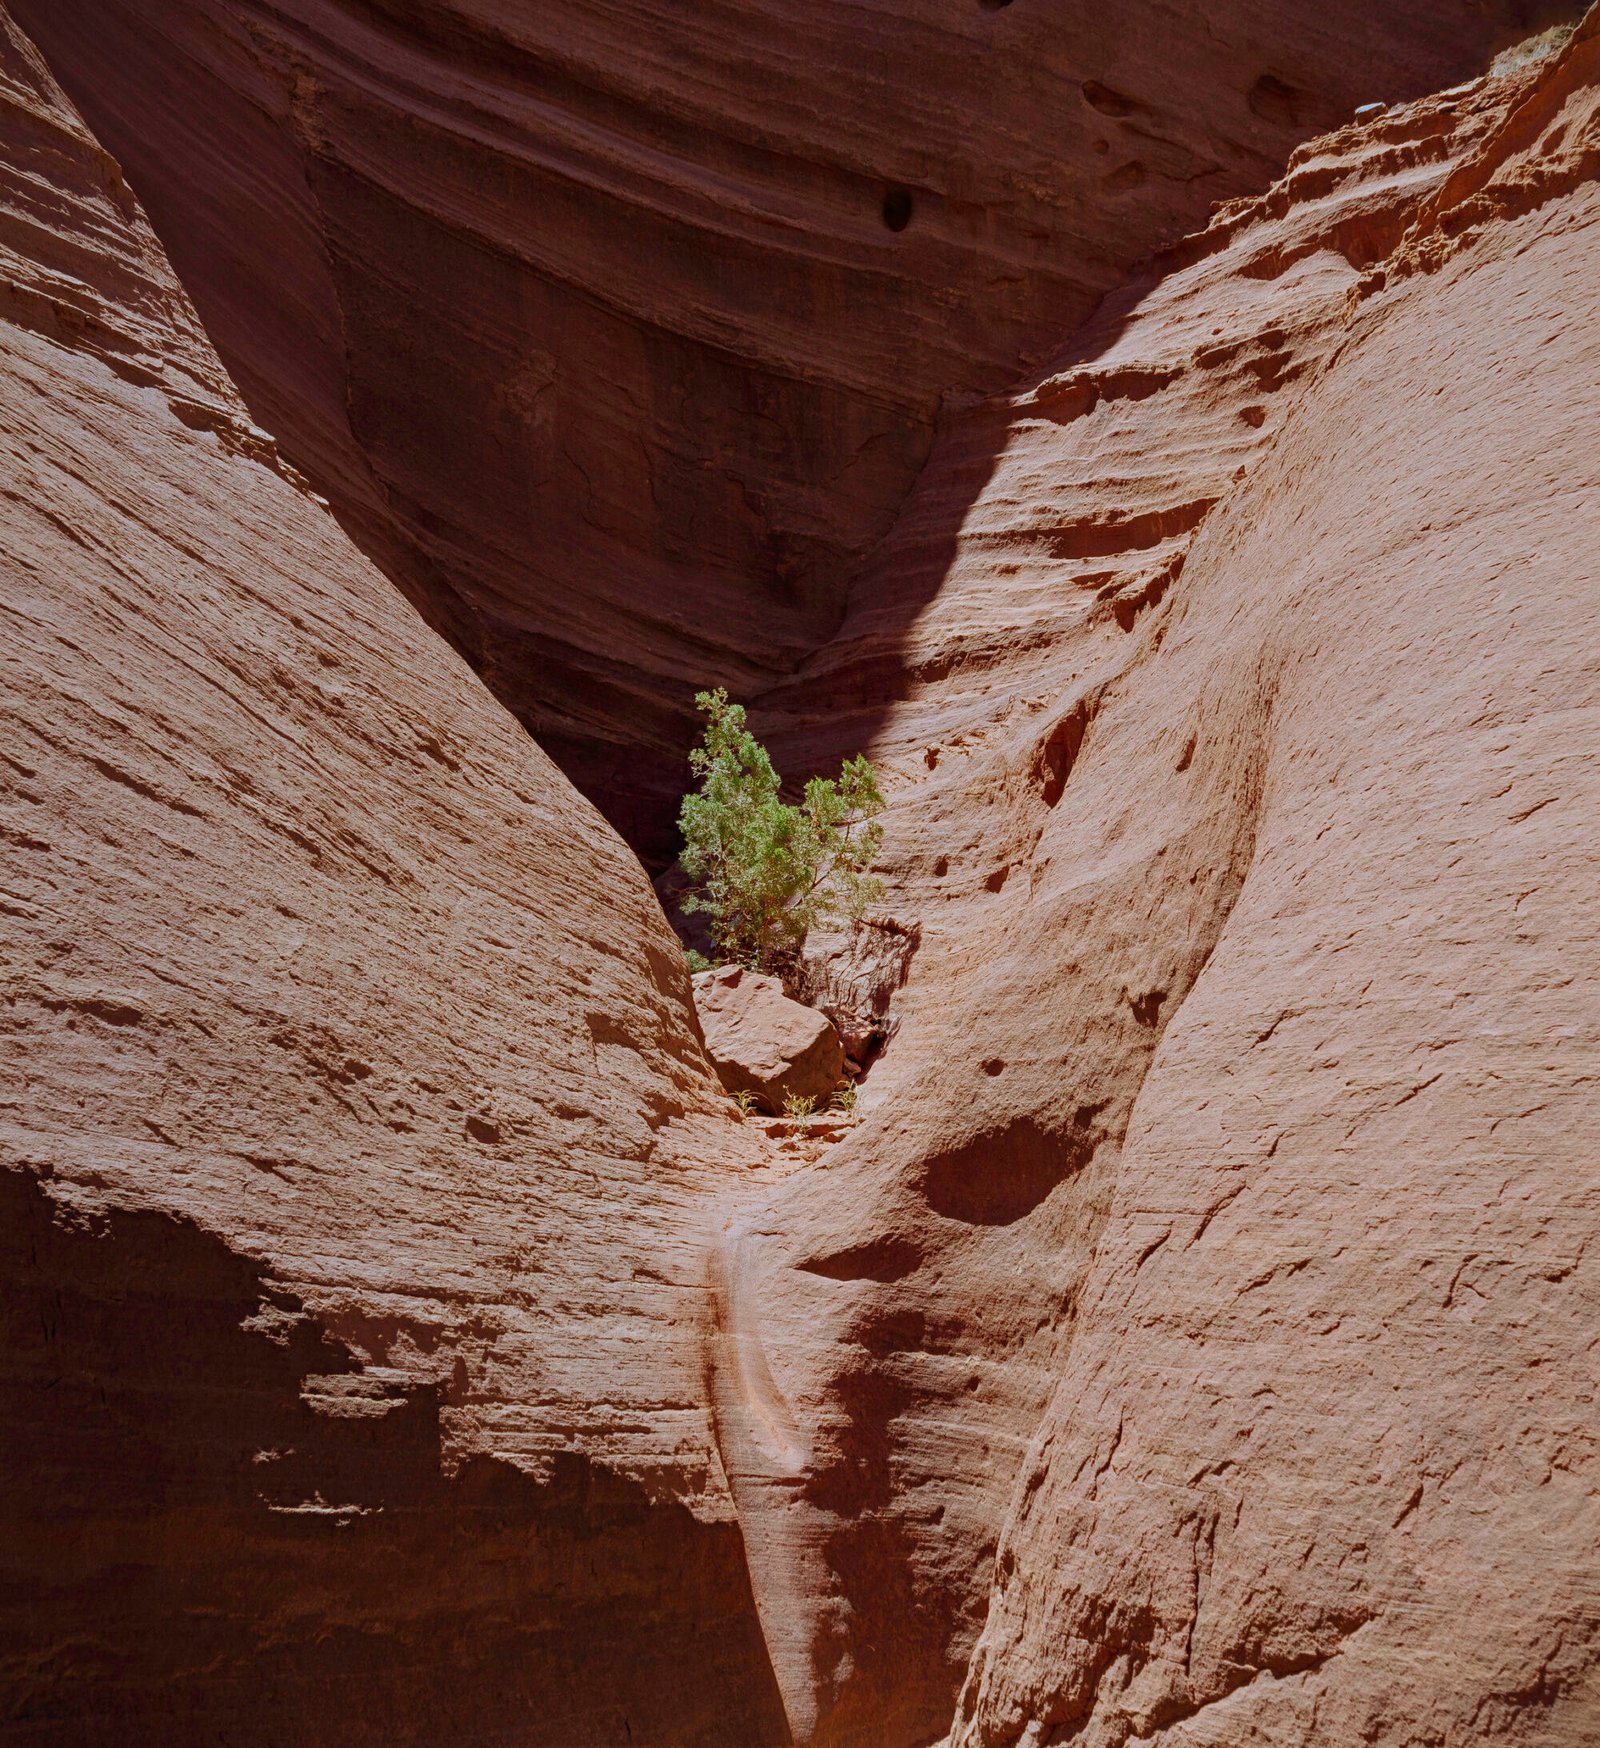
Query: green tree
x=764, y=870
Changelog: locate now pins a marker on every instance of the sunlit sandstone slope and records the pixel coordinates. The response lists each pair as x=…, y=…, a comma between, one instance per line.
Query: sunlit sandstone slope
x=1207, y=1312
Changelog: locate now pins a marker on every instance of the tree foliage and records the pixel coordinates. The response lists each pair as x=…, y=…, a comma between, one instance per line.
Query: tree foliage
x=765, y=870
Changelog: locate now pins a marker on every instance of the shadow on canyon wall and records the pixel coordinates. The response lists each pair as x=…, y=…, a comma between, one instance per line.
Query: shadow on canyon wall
x=217, y=1527
x=839, y=699
x=614, y=358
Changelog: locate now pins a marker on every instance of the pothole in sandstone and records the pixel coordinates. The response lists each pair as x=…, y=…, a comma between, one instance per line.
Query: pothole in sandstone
x=1001, y=1176
x=897, y=209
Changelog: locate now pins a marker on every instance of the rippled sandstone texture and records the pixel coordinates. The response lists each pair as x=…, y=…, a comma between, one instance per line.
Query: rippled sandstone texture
x=1206, y=1311
x=590, y=321
x=1195, y=1341
x=327, y=1413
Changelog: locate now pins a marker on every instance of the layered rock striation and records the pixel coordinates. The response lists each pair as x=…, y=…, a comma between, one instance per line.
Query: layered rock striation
x=616, y=334
x=1205, y=1310
x=1192, y=1344
x=331, y=1016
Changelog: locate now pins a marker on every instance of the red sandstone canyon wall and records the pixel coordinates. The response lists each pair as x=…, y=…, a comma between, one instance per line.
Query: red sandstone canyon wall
x=1206, y=1310
x=352, y=1111
x=1193, y=1344
x=588, y=319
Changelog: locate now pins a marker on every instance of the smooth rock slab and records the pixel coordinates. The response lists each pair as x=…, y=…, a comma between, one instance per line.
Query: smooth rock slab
x=762, y=1042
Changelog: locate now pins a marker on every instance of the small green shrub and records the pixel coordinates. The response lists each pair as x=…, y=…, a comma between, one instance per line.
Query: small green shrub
x=745, y=1100
x=764, y=870
x=797, y=1107
x=697, y=960
x=844, y=1098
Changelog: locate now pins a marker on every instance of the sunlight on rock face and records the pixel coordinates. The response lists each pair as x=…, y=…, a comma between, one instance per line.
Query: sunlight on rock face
x=1172, y=1321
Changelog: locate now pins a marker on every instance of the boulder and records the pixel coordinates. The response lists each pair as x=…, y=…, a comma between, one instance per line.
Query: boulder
x=762, y=1042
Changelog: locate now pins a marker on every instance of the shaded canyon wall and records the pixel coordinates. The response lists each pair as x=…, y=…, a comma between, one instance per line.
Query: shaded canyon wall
x=592, y=321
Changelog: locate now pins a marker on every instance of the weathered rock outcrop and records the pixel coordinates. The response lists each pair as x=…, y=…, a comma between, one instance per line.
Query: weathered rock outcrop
x=1223, y=1225
x=332, y=1018
x=852, y=973
x=1194, y=1342
x=616, y=333
x=1321, y=1463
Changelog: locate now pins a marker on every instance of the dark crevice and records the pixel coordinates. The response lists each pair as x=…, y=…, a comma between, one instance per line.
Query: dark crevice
x=1059, y=751
x=880, y=1259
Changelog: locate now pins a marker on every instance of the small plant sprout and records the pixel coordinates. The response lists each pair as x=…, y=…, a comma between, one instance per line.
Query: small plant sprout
x=844, y=1098
x=798, y=1109
x=745, y=1100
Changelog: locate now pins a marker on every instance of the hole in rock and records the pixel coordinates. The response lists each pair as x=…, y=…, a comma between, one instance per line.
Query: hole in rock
x=997, y=879
x=879, y=1259
x=1059, y=753
x=941, y=868
x=1107, y=101
x=1002, y=1175
x=897, y=204
x=994, y=1066
x=993, y=5
x=1274, y=100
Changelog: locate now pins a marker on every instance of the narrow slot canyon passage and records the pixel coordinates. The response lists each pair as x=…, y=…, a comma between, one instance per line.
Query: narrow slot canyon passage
x=1126, y=1276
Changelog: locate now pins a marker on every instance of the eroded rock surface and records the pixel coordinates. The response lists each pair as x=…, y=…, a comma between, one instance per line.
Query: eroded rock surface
x=329, y=1008
x=1193, y=1344
x=1321, y=1462
x=1222, y=1223
x=618, y=332
x=852, y=973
